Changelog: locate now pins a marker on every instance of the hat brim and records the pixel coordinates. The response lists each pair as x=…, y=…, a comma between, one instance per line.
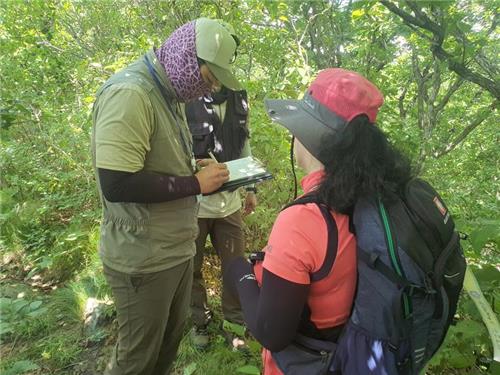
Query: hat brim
x=224, y=76
x=304, y=126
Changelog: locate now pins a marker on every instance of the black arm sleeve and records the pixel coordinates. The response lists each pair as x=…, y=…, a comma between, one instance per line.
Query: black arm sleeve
x=145, y=187
x=272, y=313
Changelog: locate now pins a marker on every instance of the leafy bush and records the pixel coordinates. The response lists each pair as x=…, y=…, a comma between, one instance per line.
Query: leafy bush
x=21, y=367
x=468, y=345
x=20, y=316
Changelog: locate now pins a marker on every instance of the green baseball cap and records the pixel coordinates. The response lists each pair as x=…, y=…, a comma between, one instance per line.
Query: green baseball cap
x=217, y=47
x=230, y=28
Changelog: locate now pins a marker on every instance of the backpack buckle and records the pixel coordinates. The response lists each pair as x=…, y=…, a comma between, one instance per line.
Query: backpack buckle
x=373, y=259
x=411, y=289
x=428, y=285
x=404, y=364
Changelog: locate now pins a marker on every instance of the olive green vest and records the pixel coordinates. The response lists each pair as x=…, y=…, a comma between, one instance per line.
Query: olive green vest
x=145, y=238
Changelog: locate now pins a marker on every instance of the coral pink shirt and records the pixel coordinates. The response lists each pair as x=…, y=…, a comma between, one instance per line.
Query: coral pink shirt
x=297, y=248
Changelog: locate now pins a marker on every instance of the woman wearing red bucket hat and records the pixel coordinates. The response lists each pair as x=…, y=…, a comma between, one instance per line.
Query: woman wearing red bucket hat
x=298, y=290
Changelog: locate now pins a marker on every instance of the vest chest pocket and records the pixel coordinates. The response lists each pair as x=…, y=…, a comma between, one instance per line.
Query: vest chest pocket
x=203, y=139
x=241, y=104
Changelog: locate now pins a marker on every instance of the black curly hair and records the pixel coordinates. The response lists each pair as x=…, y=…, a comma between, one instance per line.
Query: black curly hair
x=360, y=162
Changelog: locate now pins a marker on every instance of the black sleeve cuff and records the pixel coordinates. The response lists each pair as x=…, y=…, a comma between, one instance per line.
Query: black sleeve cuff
x=237, y=271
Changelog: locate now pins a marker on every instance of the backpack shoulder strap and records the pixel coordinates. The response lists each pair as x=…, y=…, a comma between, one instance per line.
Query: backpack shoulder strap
x=332, y=244
x=307, y=327
x=305, y=199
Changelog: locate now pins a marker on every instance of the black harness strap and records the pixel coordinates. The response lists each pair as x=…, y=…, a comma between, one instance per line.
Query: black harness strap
x=307, y=327
x=331, y=250
x=333, y=235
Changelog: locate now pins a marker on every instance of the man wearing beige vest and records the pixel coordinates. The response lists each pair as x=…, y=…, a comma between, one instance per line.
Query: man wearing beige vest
x=149, y=184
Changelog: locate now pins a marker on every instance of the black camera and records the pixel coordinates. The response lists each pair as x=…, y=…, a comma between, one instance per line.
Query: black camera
x=257, y=256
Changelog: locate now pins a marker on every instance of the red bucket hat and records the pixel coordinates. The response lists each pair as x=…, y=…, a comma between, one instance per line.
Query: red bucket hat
x=334, y=98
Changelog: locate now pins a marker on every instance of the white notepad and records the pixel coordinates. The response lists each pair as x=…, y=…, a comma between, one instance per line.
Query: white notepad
x=244, y=171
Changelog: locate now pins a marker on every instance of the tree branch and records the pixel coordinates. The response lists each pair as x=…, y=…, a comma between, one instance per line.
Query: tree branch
x=408, y=18
x=436, y=82
x=423, y=21
x=466, y=73
x=481, y=115
x=420, y=90
x=451, y=90
x=427, y=23
x=401, y=99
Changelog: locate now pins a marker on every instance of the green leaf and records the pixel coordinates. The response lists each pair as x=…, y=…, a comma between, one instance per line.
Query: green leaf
x=495, y=367
x=444, y=4
x=254, y=346
x=357, y=13
x=467, y=329
x=38, y=312
x=5, y=304
x=5, y=328
x=21, y=367
x=235, y=328
x=72, y=237
x=35, y=305
x=482, y=235
x=459, y=359
x=19, y=304
x=248, y=369
x=487, y=274
x=190, y=369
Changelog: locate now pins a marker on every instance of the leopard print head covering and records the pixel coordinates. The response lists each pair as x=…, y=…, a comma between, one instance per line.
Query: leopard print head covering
x=177, y=55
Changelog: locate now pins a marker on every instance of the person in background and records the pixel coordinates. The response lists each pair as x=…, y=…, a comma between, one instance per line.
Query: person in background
x=149, y=182
x=219, y=125
x=345, y=156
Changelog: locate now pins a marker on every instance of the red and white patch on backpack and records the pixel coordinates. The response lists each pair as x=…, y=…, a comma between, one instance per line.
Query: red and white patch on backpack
x=440, y=206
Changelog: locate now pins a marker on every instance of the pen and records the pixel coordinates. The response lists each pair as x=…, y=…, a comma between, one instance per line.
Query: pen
x=212, y=156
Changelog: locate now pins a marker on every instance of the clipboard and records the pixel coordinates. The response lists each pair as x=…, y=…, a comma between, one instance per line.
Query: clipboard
x=242, y=172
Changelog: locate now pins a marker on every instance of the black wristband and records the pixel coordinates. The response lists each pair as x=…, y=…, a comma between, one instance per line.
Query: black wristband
x=253, y=189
